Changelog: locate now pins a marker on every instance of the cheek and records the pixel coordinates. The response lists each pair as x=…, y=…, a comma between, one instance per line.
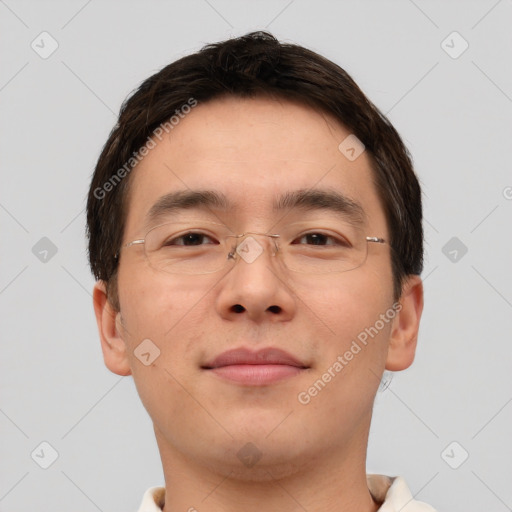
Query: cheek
x=150, y=303
x=356, y=320
x=347, y=303
x=155, y=315
x=351, y=328
x=164, y=309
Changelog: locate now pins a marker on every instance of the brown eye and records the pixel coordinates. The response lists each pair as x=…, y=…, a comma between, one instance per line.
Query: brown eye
x=188, y=239
x=322, y=239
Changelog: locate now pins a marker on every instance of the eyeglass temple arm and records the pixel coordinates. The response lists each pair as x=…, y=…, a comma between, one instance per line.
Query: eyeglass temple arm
x=129, y=244
x=375, y=239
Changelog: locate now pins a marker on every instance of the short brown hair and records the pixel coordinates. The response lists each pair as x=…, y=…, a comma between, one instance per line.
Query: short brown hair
x=256, y=64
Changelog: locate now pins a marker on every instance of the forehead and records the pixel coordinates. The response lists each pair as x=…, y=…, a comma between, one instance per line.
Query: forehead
x=253, y=151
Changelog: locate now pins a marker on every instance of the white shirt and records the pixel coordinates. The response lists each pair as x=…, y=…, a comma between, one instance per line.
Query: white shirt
x=391, y=492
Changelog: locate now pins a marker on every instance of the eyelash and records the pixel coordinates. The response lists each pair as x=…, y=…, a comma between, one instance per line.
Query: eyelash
x=338, y=241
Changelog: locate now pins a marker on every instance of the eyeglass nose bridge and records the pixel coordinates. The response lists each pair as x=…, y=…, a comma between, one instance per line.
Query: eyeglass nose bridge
x=250, y=249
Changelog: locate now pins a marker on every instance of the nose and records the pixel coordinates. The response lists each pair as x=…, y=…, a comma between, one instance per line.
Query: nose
x=256, y=287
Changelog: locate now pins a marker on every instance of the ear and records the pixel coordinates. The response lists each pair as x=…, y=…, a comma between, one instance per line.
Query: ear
x=404, y=333
x=112, y=344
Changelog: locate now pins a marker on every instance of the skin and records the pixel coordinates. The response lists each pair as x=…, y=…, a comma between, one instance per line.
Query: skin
x=313, y=456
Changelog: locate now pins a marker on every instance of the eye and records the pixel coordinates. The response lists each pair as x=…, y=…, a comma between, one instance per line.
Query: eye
x=188, y=239
x=315, y=238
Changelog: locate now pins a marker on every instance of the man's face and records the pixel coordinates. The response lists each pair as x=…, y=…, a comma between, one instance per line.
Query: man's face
x=254, y=151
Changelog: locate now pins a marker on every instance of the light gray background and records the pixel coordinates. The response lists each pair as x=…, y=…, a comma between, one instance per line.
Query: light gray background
x=453, y=113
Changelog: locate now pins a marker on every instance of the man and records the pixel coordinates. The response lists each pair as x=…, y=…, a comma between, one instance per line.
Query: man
x=255, y=229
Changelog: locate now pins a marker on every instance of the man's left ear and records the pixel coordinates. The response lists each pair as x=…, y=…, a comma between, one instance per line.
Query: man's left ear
x=404, y=334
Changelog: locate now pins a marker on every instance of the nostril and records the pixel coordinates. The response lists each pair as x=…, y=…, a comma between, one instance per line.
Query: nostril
x=238, y=308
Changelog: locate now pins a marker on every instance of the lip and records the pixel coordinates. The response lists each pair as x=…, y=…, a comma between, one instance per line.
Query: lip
x=255, y=368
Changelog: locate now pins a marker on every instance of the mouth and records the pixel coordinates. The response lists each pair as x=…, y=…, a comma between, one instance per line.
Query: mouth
x=249, y=368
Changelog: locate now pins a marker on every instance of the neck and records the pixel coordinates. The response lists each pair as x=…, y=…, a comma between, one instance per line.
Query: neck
x=334, y=481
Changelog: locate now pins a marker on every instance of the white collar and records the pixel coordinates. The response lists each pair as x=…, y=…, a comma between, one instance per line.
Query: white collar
x=392, y=492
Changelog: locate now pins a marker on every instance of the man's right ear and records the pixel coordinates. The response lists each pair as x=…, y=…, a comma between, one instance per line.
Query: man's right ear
x=112, y=344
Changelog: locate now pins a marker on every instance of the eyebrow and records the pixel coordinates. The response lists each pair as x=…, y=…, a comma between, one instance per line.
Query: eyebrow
x=321, y=199
x=301, y=199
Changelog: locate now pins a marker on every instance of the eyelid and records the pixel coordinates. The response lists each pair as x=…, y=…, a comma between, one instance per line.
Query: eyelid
x=192, y=231
x=204, y=235
x=289, y=232
x=338, y=238
x=190, y=225
x=324, y=227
